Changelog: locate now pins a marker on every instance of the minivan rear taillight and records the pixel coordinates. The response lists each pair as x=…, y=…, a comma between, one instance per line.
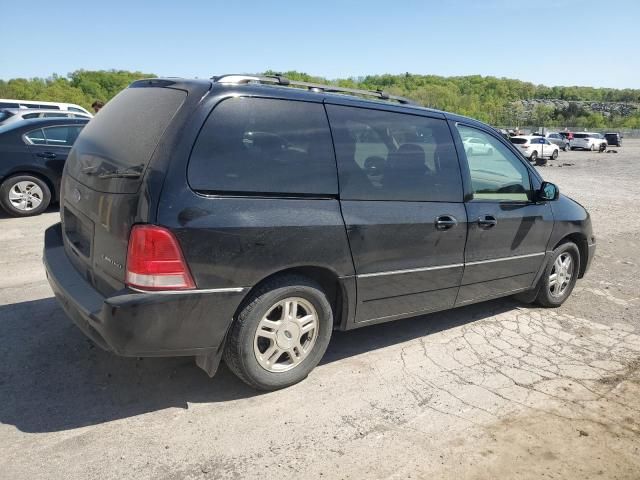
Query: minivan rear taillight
x=155, y=261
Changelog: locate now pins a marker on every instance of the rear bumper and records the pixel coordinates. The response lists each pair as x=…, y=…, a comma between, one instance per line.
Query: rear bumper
x=132, y=323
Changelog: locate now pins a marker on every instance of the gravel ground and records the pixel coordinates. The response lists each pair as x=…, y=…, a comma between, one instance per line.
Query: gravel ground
x=486, y=391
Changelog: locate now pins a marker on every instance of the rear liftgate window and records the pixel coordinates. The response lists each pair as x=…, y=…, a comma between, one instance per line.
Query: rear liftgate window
x=123, y=137
x=259, y=145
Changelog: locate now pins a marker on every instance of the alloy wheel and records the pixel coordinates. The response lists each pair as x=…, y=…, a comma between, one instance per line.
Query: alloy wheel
x=561, y=274
x=286, y=334
x=25, y=196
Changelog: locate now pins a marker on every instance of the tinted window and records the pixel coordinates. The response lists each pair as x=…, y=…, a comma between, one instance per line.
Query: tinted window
x=264, y=145
x=394, y=156
x=61, y=136
x=9, y=105
x=519, y=141
x=5, y=115
x=30, y=115
x=74, y=109
x=580, y=135
x=123, y=136
x=36, y=137
x=497, y=174
x=55, y=114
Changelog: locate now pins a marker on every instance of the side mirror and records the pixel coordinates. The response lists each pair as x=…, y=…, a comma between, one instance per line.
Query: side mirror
x=548, y=192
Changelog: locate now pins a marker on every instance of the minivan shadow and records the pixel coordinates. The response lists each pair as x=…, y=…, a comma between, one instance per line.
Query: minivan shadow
x=52, y=378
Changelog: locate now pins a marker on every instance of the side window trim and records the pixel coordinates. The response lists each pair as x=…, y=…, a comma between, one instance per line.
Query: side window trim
x=466, y=172
x=66, y=145
x=28, y=141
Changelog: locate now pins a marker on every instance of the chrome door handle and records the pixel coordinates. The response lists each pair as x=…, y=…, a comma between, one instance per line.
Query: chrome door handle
x=487, y=221
x=445, y=222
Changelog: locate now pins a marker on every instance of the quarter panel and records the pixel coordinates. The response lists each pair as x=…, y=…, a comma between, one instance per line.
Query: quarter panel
x=238, y=241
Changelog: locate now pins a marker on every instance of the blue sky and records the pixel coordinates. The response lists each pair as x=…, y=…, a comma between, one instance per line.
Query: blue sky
x=564, y=42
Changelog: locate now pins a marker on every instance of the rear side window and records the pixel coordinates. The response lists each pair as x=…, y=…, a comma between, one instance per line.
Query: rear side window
x=62, y=136
x=30, y=115
x=259, y=145
x=394, y=156
x=36, y=137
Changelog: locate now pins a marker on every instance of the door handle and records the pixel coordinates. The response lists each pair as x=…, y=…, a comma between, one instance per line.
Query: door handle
x=46, y=155
x=445, y=222
x=487, y=221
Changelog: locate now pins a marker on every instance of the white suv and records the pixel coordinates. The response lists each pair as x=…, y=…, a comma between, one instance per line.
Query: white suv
x=536, y=149
x=588, y=141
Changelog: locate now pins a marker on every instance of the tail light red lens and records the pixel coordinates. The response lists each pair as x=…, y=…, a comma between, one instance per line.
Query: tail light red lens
x=155, y=261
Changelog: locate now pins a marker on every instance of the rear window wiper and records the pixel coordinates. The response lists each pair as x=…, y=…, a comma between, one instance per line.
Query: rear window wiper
x=127, y=173
x=133, y=172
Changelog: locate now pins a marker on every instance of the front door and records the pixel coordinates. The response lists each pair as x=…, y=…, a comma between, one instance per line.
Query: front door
x=508, y=232
x=401, y=199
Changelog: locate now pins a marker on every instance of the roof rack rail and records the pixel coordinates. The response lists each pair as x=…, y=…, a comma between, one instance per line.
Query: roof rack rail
x=315, y=87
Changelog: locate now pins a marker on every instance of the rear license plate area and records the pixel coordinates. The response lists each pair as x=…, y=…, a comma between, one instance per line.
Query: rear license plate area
x=78, y=232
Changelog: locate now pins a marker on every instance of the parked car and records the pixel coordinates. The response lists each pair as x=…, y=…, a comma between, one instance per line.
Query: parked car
x=613, y=139
x=559, y=140
x=536, y=149
x=566, y=135
x=10, y=115
x=32, y=156
x=477, y=146
x=246, y=220
x=12, y=103
x=588, y=141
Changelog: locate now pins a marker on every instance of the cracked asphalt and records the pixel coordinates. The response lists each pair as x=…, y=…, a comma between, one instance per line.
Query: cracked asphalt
x=495, y=390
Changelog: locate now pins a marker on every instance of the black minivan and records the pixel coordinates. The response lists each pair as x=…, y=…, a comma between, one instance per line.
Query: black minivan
x=245, y=218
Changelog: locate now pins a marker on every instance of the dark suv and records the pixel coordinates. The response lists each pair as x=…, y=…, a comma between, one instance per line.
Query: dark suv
x=248, y=217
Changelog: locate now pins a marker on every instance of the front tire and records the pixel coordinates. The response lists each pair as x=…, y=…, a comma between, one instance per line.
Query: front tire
x=281, y=334
x=24, y=196
x=560, y=276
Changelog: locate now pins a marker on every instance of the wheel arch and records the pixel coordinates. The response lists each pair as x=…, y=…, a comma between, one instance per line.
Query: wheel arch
x=328, y=280
x=581, y=242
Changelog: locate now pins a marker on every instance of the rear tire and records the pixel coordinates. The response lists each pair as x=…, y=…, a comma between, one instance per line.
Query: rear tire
x=24, y=195
x=554, y=156
x=281, y=334
x=592, y=147
x=534, y=156
x=559, y=276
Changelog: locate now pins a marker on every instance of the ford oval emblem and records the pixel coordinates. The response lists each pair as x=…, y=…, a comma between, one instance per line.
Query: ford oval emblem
x=75, y=195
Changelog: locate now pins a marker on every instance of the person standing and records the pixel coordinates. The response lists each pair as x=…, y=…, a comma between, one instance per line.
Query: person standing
x=97, y=105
